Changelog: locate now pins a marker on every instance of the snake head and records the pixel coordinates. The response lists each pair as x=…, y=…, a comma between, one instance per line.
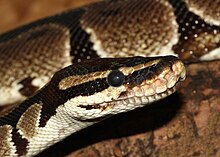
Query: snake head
x=107, y=86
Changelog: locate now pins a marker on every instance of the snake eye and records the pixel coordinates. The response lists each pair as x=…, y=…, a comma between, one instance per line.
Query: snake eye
x=115, y=78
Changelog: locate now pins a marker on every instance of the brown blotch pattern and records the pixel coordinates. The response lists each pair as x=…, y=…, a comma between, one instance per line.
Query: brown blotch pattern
x=37, y=52
x=19, y=142
x=28, y=88
x=5, y=137
x=197, y=44
x=29, y=120
x=135, y=27
x=197, y=37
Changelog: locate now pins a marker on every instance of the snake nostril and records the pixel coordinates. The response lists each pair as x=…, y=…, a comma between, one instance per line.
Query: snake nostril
x=115, y=78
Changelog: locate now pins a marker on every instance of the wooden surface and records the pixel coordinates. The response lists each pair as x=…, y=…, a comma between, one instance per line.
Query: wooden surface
x=185, y=124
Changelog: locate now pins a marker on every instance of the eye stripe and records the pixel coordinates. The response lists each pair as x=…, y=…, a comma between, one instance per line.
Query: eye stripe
x=72, y=81
x=90, y=87
x=75, y=80
x=87, y=88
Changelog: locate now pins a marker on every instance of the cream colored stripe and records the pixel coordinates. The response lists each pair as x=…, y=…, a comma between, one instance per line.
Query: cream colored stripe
x=74, y=80
x=79, y=79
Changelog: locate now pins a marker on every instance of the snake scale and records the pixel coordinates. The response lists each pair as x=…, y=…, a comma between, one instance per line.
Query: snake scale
x=71, y=70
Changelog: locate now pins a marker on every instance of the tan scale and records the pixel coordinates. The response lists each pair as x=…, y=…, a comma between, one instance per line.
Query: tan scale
x=117, y=29
x=5, y=140
x=29, y=121
x=108, y=29
x=40, y=62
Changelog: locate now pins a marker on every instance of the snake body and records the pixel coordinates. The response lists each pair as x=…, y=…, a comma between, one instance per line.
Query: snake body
x=68, y=71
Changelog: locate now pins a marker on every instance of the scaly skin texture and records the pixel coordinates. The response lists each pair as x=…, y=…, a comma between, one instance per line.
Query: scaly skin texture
x=57, y=111
x=188, y=127
x=19, y=12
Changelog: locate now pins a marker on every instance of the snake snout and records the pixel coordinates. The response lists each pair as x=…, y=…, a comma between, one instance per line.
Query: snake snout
x=179, y=70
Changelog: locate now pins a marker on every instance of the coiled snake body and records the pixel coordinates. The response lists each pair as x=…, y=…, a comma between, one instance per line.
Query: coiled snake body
x=87, y=88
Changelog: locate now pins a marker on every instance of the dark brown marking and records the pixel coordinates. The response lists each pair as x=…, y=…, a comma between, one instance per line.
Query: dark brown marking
x=50, y=97
x=81, y=47
x=34, y=55
x=96, y=106
x=209, y=10
x=4, y=110
x=131, y=26
x=37, y=34
x=122, y=95
x=110, y=12
x=188, y=48
x=20, y=143
x=28, y=89
x=5, y=140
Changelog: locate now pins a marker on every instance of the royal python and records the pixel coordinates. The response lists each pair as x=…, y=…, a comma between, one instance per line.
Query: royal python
x=69, y=71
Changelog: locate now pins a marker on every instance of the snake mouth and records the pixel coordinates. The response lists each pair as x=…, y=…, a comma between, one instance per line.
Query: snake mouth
x=145, y=93
x=131, y=102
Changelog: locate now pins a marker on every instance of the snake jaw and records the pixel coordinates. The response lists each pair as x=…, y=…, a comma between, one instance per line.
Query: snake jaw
x=130, y=96
x=156, y=89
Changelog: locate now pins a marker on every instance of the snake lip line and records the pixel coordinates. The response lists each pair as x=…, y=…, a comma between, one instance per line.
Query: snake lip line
x=141, y=100
x=108, y=105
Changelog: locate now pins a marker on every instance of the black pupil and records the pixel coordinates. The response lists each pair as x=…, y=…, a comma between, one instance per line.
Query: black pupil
x=115, y=78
